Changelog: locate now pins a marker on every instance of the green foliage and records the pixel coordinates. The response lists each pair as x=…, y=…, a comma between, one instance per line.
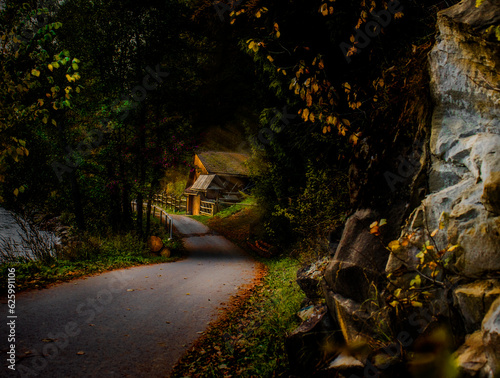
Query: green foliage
x=321, y=206
x=91, y=255
x=250, y=341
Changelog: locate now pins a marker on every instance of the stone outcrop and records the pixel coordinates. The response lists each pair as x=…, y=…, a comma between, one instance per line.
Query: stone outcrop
x=458, y=221
x=359, y=260
x=491, y=338
x=465, y=137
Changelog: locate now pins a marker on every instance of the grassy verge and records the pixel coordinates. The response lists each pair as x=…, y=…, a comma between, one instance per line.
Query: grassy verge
x=91, y=255
x=248, y=340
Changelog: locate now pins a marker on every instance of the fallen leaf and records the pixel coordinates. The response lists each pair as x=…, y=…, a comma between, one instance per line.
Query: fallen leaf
x=80, y=353
x=130, y=289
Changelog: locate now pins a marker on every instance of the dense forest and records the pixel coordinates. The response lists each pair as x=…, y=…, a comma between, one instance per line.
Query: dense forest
x=371, y=126
x=100, y=99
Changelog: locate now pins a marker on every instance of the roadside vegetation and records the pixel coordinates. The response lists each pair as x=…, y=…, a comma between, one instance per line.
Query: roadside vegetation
x=249, y=339
x=89, y=254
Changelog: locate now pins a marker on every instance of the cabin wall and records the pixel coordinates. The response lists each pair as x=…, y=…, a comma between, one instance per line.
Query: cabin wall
x=193, y=205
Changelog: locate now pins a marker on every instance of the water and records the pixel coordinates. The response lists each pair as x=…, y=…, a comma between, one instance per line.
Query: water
x=11, y=232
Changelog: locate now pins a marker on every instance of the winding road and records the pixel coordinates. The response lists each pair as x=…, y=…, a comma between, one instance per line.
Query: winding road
x=134, y=322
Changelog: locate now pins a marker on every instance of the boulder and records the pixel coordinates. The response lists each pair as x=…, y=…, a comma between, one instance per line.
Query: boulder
x=312, y=341
x=491, y=337
x=474, y=300
x=359, y=261
x=309, y=278
x=491, y=193
x=470, y=358
x=354, y=321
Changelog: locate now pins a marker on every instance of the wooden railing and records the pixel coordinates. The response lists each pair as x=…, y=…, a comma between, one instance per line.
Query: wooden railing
x=167, y=201
x=208, y=208
x=156, y=211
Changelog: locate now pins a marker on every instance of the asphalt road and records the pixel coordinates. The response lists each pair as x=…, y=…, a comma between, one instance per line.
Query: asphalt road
x=134, y=322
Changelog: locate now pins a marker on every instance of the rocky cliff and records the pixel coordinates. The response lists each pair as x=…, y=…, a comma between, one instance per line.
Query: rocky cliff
x=429, y=302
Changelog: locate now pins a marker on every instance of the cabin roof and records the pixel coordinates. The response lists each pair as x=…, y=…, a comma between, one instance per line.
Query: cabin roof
x=205, y=182
x=229, y=163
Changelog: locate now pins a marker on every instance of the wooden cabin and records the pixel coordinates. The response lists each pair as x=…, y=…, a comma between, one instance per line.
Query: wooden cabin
x=216, y=177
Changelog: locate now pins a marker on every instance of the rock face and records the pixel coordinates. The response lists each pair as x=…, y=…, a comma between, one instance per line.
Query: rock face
x=491, y=338
x=359, y=260
x=465, y=139
x=474, y=300
x=463, y=206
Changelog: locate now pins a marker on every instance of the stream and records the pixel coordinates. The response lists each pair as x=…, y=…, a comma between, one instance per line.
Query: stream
x=12, y=234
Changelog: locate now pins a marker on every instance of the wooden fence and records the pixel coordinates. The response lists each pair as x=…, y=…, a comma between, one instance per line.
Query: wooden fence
x=209, y=208
x=157, y=212
x=167, y=201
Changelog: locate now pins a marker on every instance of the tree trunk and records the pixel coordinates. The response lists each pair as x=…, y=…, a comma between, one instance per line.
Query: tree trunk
x=148, y=214
x=77, y=202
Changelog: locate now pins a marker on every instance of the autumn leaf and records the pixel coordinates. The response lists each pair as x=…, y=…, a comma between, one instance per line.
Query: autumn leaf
x=324, y=9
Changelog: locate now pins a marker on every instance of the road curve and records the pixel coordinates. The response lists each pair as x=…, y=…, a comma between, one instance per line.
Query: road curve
x=134, y=322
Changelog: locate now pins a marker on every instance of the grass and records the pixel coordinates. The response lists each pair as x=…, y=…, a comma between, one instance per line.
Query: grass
x=249, y=341
x=90, y=255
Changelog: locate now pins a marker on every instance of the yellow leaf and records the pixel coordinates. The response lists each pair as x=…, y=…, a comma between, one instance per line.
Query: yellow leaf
x=45, y=120
x=35, y=72
x=305, y=114
x=278, y=34
x=51, y=67
x=270, y=58
x=416, y=304
x=70, y=79
x=374, y=224
x=394, y=245
x=309, y=99
x=324, y=9
x=452, y=248
x=434, y=233
x=353, y=139
x=40, y=102
x=16, y=192
x=257, y=14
